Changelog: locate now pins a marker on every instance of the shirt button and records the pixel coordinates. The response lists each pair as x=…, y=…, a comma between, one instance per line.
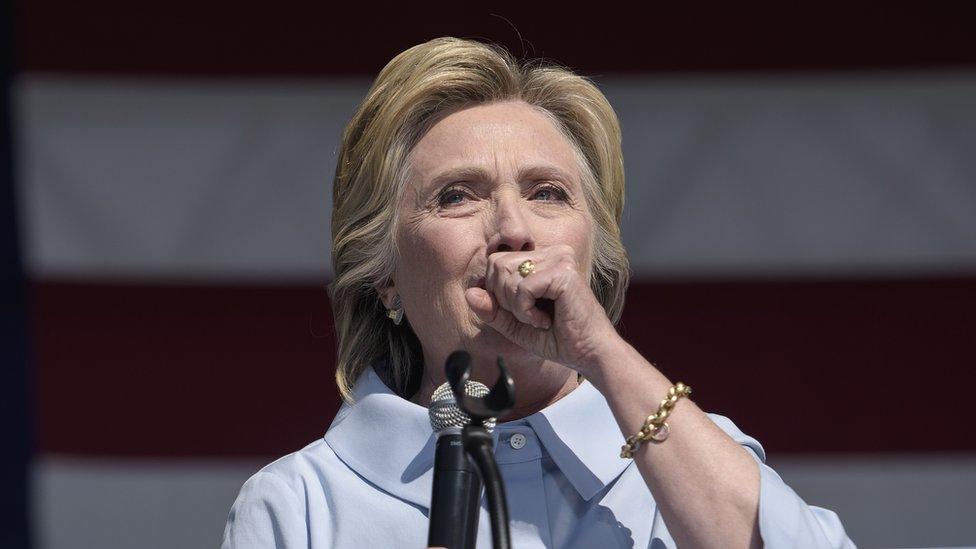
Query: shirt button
x=517, y=441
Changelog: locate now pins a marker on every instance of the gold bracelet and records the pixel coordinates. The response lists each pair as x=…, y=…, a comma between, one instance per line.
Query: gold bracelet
x=654, y=426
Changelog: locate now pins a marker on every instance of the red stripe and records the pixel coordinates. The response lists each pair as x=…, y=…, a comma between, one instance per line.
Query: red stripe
x=146, y=370
x=346, y=37
x=172, y=371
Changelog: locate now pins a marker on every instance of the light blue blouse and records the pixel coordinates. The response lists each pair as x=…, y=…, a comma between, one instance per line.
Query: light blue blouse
x=367, y=484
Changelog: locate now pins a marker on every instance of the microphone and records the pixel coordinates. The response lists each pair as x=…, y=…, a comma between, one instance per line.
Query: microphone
x=456, y=493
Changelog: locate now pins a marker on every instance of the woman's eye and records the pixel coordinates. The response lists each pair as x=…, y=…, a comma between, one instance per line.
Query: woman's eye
x=549, y=192
x=451, y=196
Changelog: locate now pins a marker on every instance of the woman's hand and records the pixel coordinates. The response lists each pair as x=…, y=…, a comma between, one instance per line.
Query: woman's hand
x=568, y=325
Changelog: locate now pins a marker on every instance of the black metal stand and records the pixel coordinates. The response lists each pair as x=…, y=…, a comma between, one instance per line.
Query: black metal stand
x=478, y=442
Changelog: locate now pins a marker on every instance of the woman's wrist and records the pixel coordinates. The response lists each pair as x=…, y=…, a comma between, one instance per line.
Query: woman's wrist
x=606, y=361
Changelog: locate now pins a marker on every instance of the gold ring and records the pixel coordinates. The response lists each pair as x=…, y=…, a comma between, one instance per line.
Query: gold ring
x=526, y=268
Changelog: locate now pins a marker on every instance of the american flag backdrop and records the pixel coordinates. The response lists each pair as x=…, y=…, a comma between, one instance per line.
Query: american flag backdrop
x=800, y=219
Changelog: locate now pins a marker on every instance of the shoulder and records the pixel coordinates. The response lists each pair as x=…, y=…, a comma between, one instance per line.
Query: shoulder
x=295, y=468
x=303, y=474
x=273, y=503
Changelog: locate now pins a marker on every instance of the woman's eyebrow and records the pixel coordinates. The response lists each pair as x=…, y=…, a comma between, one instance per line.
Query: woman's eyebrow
x=474, y=173
x=460, y=174
x=545, y=171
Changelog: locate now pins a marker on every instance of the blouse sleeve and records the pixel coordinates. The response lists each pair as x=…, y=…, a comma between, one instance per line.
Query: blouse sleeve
x=267, y=514
x=785, y=520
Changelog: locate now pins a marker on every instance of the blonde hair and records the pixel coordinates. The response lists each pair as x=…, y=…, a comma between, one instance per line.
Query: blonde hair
x=411, y=93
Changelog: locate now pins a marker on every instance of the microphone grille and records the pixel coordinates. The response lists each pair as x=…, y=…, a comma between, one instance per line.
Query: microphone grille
x=444, y=411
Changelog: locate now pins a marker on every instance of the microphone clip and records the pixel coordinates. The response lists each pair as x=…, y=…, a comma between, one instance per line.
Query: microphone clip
x=499, y=400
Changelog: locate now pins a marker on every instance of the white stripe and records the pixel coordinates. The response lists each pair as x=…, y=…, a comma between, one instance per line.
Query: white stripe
x=891, y=500
x=810, y=174
x=883, y=501
x=171, y=179
x=230, y=178
x=118, y=503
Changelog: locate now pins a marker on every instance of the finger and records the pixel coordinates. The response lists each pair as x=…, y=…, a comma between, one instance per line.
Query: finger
x=482, y=302
x=513, y=292
x=502, y=321
x=506, y=282
x=522, y=334
x=548, y=283
x=530, y=290
x=499, y=277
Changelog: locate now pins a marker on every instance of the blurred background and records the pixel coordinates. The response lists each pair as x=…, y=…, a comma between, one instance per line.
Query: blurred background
x=801, y=221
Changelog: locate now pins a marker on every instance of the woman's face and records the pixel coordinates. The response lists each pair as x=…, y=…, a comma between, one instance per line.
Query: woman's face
x=489, y=178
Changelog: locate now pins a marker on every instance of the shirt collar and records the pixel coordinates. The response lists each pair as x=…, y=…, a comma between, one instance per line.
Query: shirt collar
x=389, y=441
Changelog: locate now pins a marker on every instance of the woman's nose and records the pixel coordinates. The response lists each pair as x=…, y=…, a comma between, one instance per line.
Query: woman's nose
x=511, y=231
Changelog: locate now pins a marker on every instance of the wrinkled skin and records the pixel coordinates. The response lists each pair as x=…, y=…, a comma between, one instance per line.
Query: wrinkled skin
x=489, y=187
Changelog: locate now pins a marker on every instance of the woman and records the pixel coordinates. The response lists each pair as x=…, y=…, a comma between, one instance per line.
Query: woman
x=476, y=207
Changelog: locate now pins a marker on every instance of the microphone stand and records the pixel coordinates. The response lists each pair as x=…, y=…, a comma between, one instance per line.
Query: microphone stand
x=478, y=443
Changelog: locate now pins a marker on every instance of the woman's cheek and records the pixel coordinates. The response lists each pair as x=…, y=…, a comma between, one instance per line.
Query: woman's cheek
x=449, y=247
x=430, y=280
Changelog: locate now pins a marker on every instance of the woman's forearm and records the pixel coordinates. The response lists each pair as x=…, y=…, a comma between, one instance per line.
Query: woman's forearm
x=705, y=484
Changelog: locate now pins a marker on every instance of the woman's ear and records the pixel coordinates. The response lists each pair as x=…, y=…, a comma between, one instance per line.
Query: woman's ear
x=387, y=294
x=391, y=302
